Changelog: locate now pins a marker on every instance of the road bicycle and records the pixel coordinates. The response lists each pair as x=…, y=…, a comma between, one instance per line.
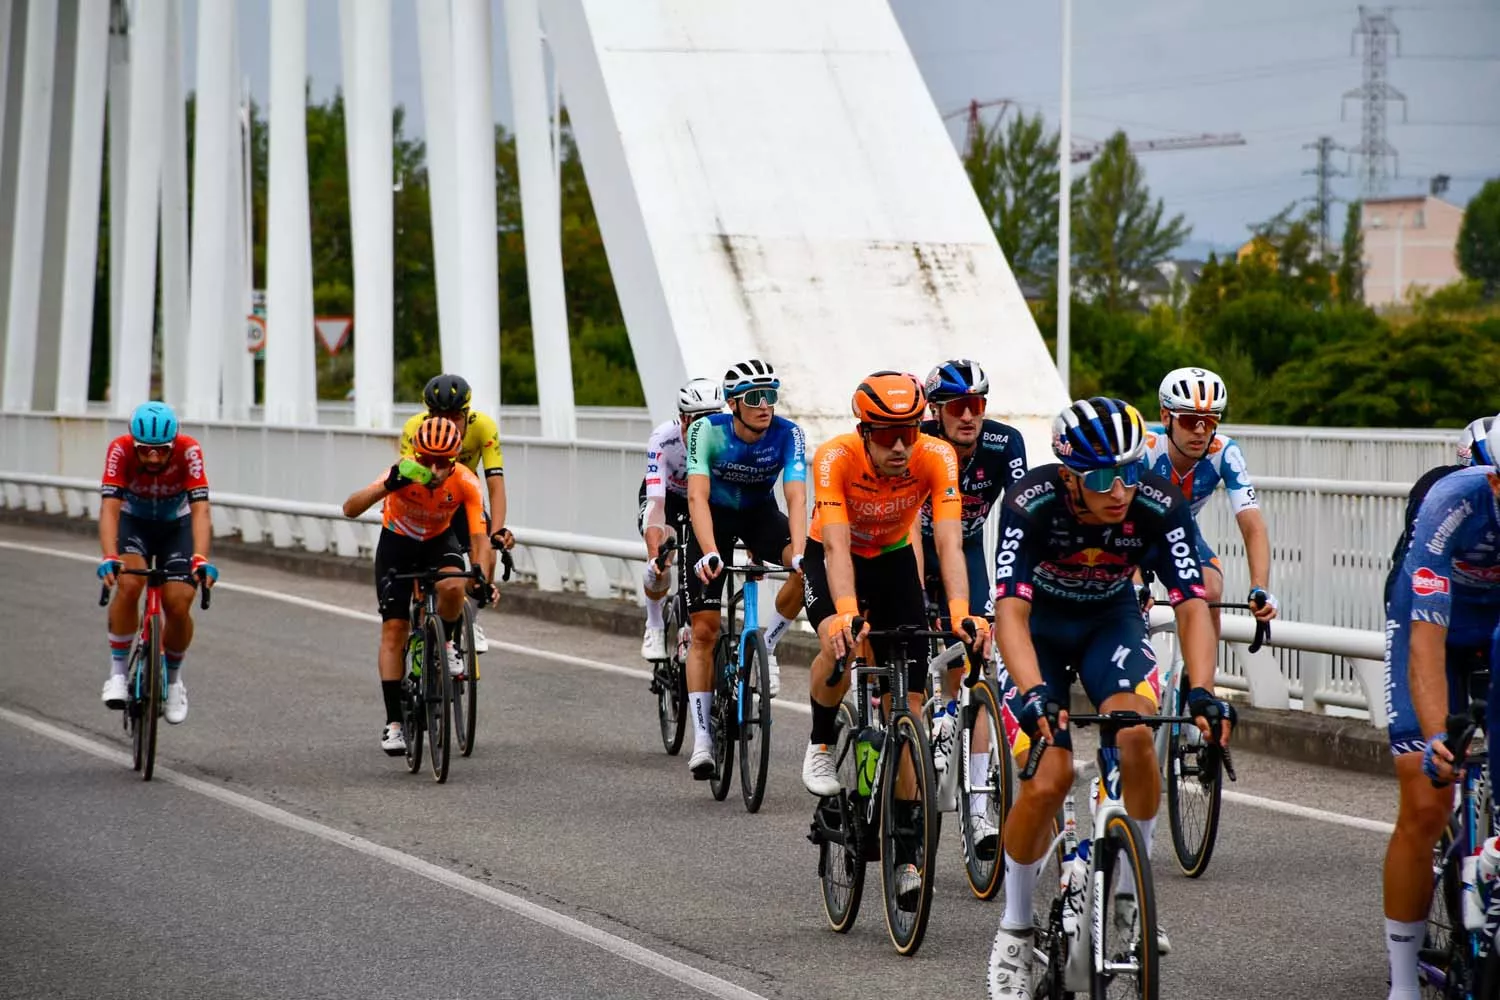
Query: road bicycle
x=979, y=794
x=1194, y=768
x=466, y=685
x=146, y=673
x=669, y=675
x=741, y=712
x=1078, y=890
x=428, y=707
x=873, y=818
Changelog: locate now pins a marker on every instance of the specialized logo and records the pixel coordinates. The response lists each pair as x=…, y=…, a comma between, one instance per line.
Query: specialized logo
x=1425, y=583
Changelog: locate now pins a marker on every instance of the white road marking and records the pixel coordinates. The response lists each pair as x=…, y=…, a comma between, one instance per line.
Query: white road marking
x=620, y=947
x=1255, y=801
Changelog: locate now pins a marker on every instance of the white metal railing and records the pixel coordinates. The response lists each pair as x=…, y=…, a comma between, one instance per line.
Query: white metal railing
x=600, y=567
x=1320, y=666
x=1356, y=453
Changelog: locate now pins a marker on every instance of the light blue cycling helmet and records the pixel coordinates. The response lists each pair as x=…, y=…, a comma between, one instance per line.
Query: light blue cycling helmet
x=153, y=423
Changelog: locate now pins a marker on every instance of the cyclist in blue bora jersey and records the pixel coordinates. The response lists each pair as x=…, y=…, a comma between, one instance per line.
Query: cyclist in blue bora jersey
x=1071, y=536
x=1188, y=450
x=733, y=462
x=1442, y=623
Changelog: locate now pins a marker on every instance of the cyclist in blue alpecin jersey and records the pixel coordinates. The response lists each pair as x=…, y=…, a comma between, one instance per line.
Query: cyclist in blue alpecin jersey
x=1071, y=536
x=733, y=462
x=991, y=456
x=1442, y=624
x=1187, y=449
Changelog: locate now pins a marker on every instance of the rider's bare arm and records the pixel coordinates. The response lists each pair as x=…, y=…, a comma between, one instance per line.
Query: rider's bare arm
x=1429, y=676
x=1257, y=546
x=1013, y=634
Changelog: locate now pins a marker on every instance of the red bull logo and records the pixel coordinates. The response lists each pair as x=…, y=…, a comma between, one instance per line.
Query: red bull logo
x=1471, y=573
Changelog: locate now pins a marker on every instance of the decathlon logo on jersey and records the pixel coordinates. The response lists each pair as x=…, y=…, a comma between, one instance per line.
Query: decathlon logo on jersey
x=1425, y=583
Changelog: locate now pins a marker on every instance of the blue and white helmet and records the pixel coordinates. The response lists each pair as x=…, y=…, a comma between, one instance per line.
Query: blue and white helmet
x=1473, y=446
x=1098, y=433
x=956, y=379
x=153, y=424
x=747, y=375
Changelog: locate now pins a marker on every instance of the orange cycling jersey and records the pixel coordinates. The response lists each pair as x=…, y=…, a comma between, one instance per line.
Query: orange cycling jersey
x=418, y=512
x=880, y=510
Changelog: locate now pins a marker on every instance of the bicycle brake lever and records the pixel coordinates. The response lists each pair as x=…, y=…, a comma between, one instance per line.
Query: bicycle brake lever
x=1228, y=763
x=1034, y=758
x=104, y=596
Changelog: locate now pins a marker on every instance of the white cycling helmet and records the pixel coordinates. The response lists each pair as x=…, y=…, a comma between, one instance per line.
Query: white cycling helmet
x=751, y=374
x=699, y=396
x=1474, y=444
x=1193, y=390
x=1492, y=442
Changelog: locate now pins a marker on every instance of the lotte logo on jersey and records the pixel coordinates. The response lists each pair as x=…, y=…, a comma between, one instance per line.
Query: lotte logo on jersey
x=1425, y=583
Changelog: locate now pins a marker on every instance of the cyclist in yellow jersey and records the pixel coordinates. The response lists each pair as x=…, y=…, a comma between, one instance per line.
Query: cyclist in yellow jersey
x=449, y=396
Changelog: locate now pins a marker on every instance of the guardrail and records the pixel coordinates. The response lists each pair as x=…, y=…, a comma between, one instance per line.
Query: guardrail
x=1319, y=666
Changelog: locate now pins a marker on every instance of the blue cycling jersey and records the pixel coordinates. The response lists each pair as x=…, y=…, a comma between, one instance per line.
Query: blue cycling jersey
x=1452, y=565
x=742, y=473
x=1224, y=463
x=998, y=459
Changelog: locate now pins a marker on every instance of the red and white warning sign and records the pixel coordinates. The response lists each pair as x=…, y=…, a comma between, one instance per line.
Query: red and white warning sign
x=333, y=331
x=255, y=333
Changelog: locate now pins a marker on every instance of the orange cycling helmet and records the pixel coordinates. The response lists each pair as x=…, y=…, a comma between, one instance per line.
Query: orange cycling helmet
x=887, y=398
x=437, y=436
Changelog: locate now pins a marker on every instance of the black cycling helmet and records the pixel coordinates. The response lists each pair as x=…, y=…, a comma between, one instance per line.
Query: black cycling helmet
x=447, y=394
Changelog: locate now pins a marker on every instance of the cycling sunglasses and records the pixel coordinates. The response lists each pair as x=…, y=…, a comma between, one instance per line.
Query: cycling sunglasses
x=964, y=405
x=887, y=437
x=1103, y=480
x=438, y=461
x=759, y=397
x=1193, y=423
x=153, y=450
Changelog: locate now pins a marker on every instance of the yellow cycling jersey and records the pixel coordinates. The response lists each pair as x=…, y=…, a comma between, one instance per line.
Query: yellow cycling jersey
x=481, y=442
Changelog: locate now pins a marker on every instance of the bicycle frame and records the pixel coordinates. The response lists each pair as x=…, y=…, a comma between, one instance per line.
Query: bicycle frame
x=747, y=598
x=947, y=790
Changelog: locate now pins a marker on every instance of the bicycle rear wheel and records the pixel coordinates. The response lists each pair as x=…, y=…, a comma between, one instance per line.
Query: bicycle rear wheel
x=992, y=789
x=438, y=702
x=841, y=867
x=1195, y=788
x=151, y=695
x=1444, y=965
x=465, y=688
x=755, y=721
x=1131, y=965
x=908, y=834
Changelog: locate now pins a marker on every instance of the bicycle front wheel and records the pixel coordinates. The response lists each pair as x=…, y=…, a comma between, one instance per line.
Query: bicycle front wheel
x=1130, y=953
x=1195, y=788
x=755, y=721
x=984, y=795
x=465, y=688
x=670, y=684
x=439, y=698
x=151, y=695
x=413, y=718
x=908, y=832
x=841, y=866
x=721, y=723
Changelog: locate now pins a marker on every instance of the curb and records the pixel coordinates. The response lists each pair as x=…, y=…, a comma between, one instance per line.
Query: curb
x=1348, y=744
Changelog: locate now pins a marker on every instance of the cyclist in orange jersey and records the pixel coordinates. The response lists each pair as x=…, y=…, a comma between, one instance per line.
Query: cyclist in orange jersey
x=420, y=497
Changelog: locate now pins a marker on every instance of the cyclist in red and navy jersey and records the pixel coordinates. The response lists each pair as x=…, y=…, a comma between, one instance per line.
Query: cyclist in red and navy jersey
x=155, y=504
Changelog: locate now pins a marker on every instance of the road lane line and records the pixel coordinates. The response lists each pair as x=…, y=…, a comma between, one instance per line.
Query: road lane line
x=1243, y=798
x=620, y=947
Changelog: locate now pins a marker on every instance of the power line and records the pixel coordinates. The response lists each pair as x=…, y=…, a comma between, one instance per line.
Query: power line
x=1376, y=29
x=1325, y=172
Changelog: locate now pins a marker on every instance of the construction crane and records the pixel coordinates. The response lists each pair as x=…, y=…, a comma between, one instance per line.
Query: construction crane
x=1086, y=149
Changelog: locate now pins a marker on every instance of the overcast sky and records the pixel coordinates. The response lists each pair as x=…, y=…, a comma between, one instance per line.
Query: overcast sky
x=1272, y=71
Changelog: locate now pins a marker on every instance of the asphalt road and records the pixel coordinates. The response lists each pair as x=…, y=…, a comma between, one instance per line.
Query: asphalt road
x=280, y=853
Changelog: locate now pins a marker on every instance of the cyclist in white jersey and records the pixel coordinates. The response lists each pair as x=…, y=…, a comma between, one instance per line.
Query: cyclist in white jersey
x=663, y=498
x=1187, y=449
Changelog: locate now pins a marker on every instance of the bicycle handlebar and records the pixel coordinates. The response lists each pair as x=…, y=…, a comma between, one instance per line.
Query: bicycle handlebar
x=667, y=548
x=1461, y=731
x=1107, y=721
x=1262, y=629
x=104, y=589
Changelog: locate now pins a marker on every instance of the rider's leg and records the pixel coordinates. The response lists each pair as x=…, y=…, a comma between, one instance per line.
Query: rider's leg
x=177, y=630
x=1028, y=830
x=125, y=612
x=700, y=673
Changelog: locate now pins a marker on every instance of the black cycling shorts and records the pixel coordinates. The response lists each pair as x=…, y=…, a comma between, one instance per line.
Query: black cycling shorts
x=171, y=542
x=401, y=554
x=677, y=511
x=763, y=529
x=889, y=594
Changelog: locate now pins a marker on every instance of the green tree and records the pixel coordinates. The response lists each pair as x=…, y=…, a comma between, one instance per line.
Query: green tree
x=1119, y=235
x=1350, y=277
x=1013, y=167
x=1479, y=238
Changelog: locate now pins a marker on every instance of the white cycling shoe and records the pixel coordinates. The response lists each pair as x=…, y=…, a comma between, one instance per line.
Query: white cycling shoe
x=115, y=692
x=176, y=708
x=819, y=772
x=701, y=763
x=1010, y=964
x=654, y=643
x=481, y=644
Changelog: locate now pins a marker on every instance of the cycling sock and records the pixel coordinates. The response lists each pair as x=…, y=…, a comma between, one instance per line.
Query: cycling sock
x=702, y=703
x=653, y=613
x=173, y=659
x=451, y=629
x=825, y=724
x=1125, y=880
x=391, y=692
x=979, y=767
x=1403, y=940
x=1020, y=887
x=776, y=628
x=119, y=653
